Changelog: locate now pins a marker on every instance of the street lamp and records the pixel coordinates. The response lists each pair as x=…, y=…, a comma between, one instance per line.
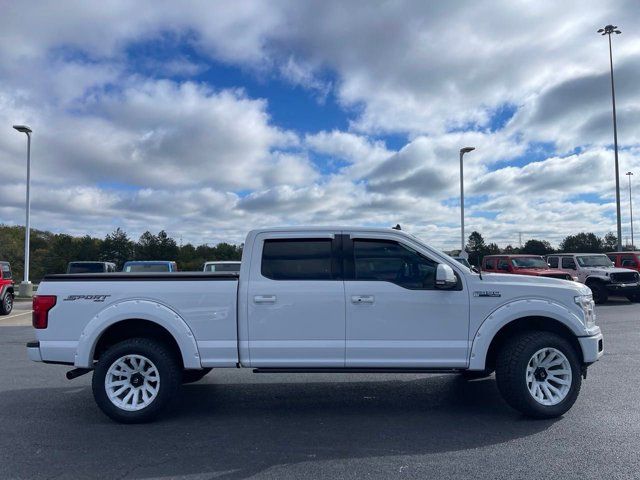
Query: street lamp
x=629, y=174
x=26, y=289
x=608, y=30
x=463, y=252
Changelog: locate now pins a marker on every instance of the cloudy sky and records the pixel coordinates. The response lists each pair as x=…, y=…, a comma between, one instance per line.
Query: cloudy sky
x=208, y=119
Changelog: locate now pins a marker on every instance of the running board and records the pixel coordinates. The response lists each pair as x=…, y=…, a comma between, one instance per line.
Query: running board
x=356, y=370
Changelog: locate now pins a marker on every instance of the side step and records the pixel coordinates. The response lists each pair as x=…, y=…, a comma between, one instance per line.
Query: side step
x=355, y=370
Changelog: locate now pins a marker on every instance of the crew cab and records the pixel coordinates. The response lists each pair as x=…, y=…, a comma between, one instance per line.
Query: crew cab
x=7, y=293
x=523, y=265
x=598, y=272
x=319, y=300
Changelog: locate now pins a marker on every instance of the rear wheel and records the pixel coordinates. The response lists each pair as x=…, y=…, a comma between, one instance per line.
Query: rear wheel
x=600, y=293
x=6, y=305
x=136, y=379
x=192, y=376
x=538, y=374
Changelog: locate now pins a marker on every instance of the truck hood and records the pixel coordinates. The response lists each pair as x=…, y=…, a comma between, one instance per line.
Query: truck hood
x=605, y=271
x=546, y=284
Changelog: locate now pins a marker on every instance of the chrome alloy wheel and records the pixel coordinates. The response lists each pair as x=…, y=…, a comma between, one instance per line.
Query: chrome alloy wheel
x=548, y=376
x=132, y=382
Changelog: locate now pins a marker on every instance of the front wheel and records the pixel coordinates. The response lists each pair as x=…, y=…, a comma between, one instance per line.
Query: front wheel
x=600, y=293
x=538, y=374
x=6, y=305
x=135, y=380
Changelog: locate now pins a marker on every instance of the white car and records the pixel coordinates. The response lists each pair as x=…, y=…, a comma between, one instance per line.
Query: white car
x=222, y=266
x=319, y=300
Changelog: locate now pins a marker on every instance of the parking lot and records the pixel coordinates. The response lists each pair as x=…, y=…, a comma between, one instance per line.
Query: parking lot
x=236, y=424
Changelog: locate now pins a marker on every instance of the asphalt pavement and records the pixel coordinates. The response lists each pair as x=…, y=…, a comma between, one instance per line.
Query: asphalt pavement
x=235, y=424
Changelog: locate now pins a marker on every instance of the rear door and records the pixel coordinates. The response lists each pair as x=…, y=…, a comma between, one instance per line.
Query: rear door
x=296, y=305
x=395, y=315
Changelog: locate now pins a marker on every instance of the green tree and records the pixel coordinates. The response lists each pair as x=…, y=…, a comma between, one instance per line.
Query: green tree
x=475, y=248
x=537, y=247
x=610, y=243
x=582, y=243
x=116, y=247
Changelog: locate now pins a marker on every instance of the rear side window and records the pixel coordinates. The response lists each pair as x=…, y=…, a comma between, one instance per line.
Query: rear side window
x=503, y=265
x=490, y=264
x=6, y=271
x=568, y=262
x=297, y=259
x=388, y=261
x=553, y=262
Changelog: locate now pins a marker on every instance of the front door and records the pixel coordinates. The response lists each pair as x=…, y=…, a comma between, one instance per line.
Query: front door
x=395, y=315
x=296, y=307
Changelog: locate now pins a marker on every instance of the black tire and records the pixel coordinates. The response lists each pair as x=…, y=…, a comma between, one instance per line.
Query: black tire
x=169, y=371
x=600, y=293
x=475, y=374
x=192, y=376
x=635, y=298
x=511, y=370
x=6, y=305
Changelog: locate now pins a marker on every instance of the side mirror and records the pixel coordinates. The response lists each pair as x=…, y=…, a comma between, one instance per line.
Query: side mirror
x=445, y=277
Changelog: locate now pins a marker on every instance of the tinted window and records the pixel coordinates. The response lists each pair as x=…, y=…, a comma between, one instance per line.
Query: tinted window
x=6, y=271
x=628, y=261
x=147, y=268
x=389, y=261
x=307, y=259
x=503, y=265
x=490, y=264
x=568, y=262
x=553, y=262
x=222, y=267
x=85, y=268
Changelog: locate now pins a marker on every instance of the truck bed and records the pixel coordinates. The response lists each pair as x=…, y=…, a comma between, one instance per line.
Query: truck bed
x=199, y=307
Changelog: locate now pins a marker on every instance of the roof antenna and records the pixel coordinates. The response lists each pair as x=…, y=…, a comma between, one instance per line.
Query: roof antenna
x=397, y=227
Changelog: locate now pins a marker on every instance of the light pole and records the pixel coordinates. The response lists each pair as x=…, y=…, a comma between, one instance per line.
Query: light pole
x=629, y=174
x=608, y=30
x=26, y=289
x=463, y=252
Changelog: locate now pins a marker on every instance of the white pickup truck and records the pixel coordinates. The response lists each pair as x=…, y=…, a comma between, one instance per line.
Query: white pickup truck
x=319, y=300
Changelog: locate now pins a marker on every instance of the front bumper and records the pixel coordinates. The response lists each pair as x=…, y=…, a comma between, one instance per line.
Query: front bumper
x=624, y=288
x=592, y=347
x=33, y=351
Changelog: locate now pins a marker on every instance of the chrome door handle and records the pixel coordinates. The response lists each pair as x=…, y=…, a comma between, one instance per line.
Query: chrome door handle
x=264, y=299
x=360, y=299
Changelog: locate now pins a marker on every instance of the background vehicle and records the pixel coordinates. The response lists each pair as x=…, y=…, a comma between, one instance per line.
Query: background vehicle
x=222, y=266
x=139, y=266
x=522, y=265
x=630, y=260
x=319, y=300
x=6, y=289
x=598, y=273
x=91, y=267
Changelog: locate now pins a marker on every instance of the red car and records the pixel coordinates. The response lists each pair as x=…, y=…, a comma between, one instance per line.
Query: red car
x=522, y=265
x=630, y=260
x=6, y=289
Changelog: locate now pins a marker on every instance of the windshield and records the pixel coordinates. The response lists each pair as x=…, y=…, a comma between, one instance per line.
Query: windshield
x=147, y=267
x=86, y=268
x=594, y=261
x=529, y=262
x=222, y=267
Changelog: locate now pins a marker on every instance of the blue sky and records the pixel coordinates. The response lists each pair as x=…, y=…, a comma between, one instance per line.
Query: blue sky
x=207, y=120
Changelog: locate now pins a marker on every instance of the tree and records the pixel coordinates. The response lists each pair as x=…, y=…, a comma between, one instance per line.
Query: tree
x=117, y=248
x=582, y=243
x=610, y=242
x=167, y=247
x=537, y=247
x=475, y=247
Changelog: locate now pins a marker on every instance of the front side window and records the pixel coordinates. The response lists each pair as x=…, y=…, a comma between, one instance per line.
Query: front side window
x=569, y=262
x=628, y=261
x=297, y=259
x=529, y=262
x=503, y=265
x=389, y=261
x=594, y=261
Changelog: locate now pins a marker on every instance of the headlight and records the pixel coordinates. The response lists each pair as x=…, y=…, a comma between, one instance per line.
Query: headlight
x=585, y=302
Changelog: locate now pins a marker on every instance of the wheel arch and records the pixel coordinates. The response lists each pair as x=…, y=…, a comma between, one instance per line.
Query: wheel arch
x=503, y=323
x=136, y=318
